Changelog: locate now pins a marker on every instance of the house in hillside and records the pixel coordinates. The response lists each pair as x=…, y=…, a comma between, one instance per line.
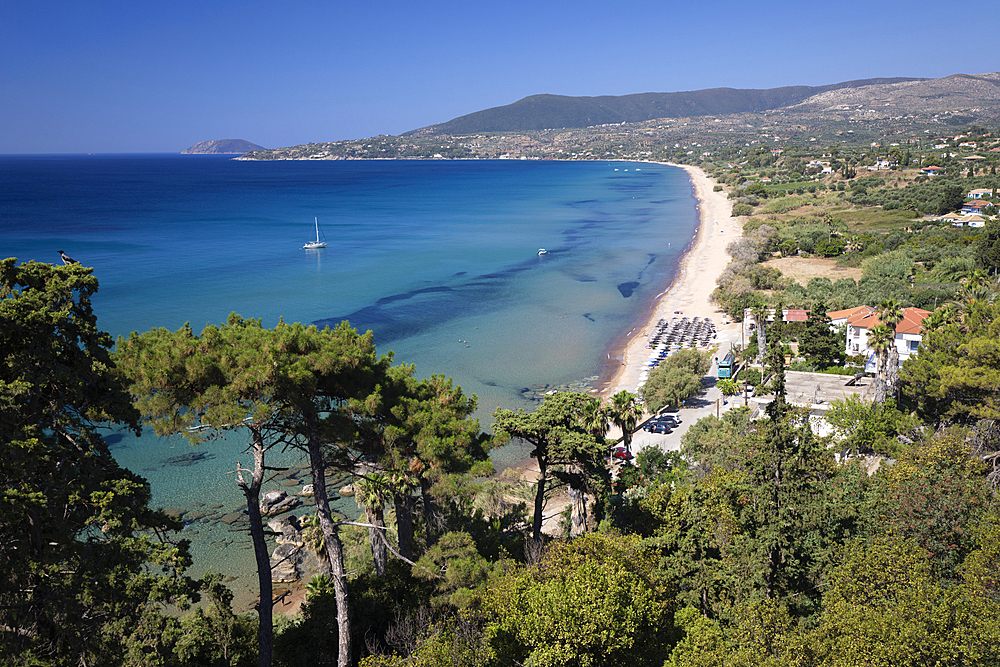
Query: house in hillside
x=787, y=315
x=860, y=320
x=963, y=219
x=974, y=207
x=882, y=165
x=979, y=193
x=933, y=170
x=794, y=318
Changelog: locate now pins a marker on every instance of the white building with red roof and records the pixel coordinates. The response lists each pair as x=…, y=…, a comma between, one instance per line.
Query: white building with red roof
x=860, y=320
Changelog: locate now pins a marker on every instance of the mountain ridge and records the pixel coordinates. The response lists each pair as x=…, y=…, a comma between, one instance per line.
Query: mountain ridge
x=547, y=111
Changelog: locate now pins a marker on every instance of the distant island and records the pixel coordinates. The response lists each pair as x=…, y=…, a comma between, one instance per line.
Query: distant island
x=222, y=146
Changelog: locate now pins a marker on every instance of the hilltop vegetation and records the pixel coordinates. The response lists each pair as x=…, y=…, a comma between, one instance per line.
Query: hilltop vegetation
x=559, y=111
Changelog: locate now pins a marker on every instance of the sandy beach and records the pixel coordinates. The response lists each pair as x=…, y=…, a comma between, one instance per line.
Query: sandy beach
x=691, y=291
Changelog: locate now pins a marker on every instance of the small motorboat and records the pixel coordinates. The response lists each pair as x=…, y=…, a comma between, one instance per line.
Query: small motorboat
x=542, y=251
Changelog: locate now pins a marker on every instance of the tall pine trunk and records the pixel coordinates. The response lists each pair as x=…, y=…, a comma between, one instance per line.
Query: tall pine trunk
x=265, y=608
x=578, y=524
x=334, y=547
x=403, y=502
x=376, y=536
x=536, y=522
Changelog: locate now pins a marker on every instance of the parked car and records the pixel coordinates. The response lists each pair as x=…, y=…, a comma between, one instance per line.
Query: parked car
x=620, y=454
x=669, y=420
x=657, y=427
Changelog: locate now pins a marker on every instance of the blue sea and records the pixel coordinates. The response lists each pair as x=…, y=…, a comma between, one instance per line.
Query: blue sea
x=438, y=258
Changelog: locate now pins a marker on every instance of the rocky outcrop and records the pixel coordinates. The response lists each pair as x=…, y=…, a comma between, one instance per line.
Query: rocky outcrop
x=291, y=559
x=286, y=562
x=277, y=502
x=288, y=530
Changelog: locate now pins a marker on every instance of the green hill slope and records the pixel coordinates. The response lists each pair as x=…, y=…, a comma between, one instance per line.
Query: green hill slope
x=539, y=112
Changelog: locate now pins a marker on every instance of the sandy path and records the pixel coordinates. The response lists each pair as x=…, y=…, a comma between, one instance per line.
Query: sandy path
x=691, y=292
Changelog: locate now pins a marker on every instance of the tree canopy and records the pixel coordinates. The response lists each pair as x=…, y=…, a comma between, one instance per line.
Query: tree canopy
x=81, y=549
x=560, y=436
x=676, y=379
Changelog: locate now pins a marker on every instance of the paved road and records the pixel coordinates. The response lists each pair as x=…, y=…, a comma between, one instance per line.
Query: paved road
x=708, y=402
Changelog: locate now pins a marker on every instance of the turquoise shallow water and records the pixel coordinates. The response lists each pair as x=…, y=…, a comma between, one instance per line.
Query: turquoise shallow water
x=438, y=258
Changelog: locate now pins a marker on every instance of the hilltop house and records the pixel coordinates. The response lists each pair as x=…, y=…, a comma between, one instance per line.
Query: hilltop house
x=964, y=219
x=881, y=165
x=976, y=206
x=861, y=319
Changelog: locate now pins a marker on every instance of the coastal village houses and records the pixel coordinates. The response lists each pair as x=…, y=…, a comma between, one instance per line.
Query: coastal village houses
x=860, y=320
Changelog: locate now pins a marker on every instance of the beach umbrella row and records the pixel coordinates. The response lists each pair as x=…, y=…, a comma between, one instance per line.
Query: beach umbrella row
x=683, y=332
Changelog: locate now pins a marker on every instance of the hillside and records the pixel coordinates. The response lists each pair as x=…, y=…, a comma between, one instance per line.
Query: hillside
x=222, y=147
x=539, y=112
x=850, y=116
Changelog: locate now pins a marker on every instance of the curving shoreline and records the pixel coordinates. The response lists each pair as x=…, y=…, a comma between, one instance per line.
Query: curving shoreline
x=691, y=291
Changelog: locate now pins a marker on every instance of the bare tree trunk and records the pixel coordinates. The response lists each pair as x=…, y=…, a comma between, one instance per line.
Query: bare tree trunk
x=376, y=536
x=578, y=524
x=334, y=548
x=336, y=551
x=761, y=343
x=433, y=518
x=536, y=522
x=880, y=383
x=892, y=373
x=265, y=608
x=404, y=524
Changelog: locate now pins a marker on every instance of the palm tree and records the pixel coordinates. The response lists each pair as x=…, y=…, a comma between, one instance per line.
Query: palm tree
x=372, y=493
x=729, y=387
x=595, y=420
x=624, y=411
x=880, y=339
x=976, y=277
x=759, y=314
x=891, y=313
x=977, y=285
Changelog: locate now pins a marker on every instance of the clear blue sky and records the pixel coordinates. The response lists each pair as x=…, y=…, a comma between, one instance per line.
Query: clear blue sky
x=136, y=76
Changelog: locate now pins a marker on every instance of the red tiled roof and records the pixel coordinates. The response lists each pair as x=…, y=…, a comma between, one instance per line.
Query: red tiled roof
x=796, y=315
x=866, y=318
x=843, y=314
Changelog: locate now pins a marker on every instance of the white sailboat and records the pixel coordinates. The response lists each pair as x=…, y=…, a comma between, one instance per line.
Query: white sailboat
x=318, y=243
